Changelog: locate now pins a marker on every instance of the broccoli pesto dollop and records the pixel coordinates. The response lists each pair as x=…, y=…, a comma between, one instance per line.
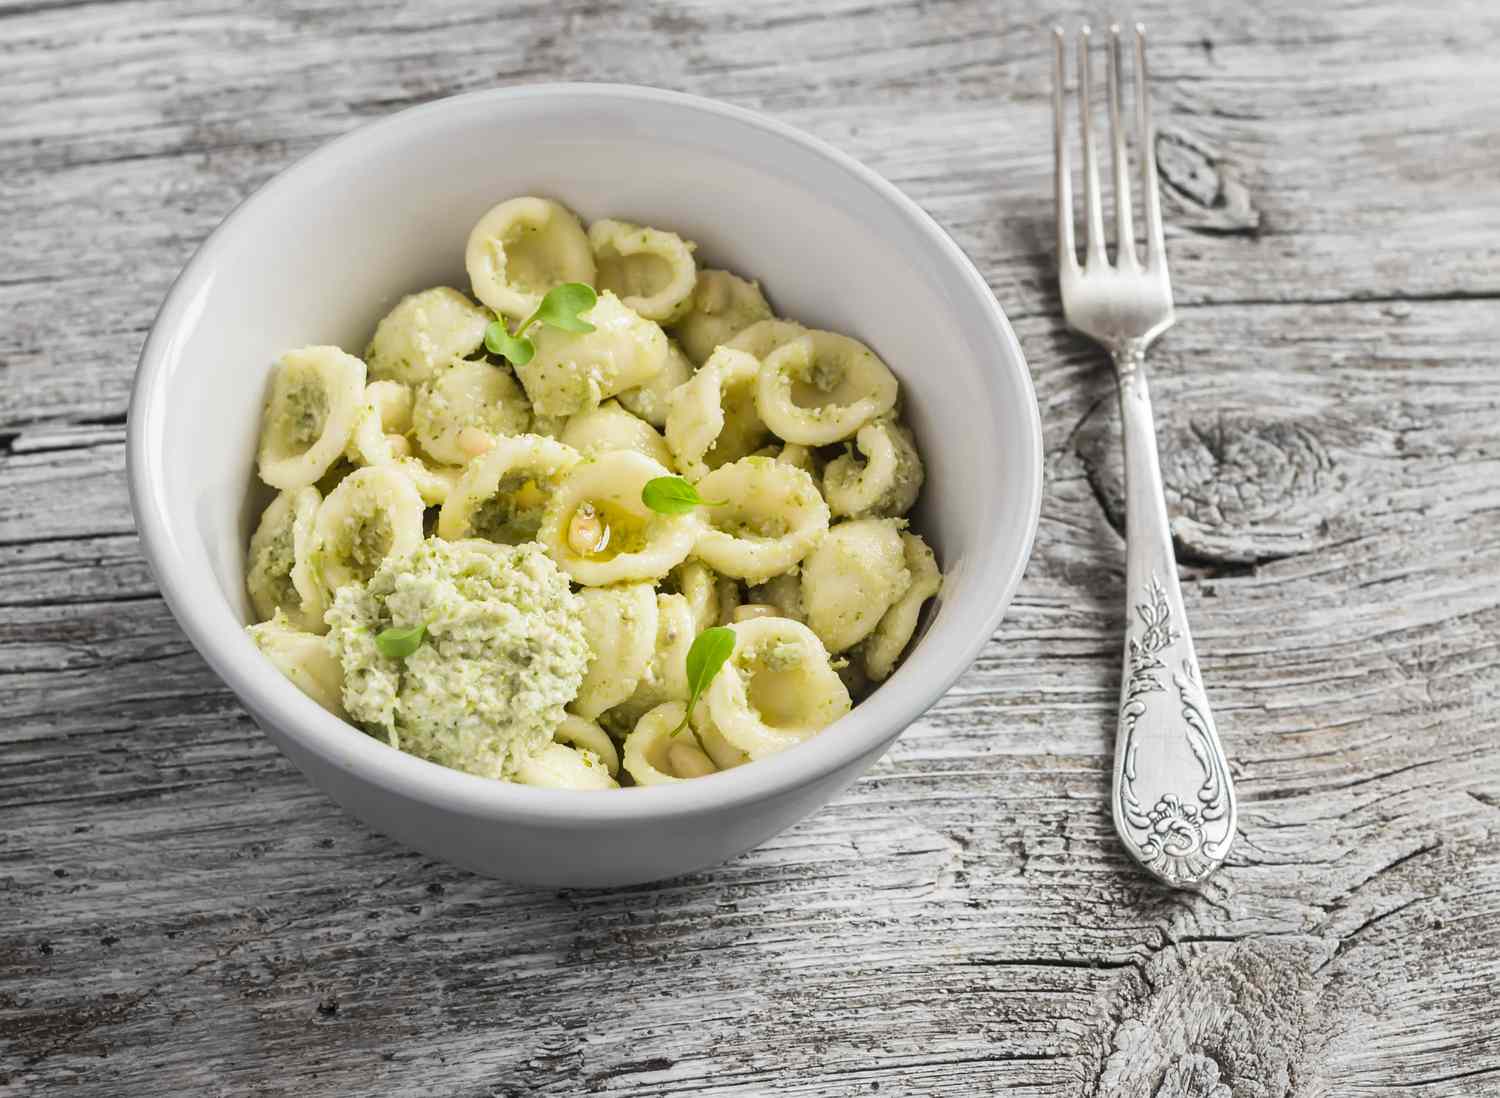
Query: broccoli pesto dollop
x=503, y=652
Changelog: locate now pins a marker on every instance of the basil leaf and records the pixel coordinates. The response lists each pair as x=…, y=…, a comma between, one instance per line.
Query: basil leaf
x=674, y=496
x=711, y=649
x=397, y=644
x=516, y=348
x=562, y=306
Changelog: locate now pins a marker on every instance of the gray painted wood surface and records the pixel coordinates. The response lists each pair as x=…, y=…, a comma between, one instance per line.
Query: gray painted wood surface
x=181, y=914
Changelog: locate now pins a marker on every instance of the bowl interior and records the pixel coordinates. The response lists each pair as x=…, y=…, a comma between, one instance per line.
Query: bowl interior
x=320, y=253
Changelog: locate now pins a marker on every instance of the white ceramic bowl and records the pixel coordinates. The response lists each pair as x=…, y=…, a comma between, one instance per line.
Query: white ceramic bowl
x=325, y=248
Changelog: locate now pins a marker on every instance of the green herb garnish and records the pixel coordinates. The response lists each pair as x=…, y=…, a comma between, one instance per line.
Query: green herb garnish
x=710, y=651
x=560, y=309
x=397, y=644
x=674, y=496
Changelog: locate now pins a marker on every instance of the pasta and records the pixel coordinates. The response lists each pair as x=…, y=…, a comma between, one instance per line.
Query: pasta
x=821, y=387
x=316, y=396
x=777, y=689
x=307, y=659
x=463, y=558
x=433, y=483
x=885, y=484
x=649, y=399
x=654, y=756
x=521, y=249
x=852, y=578
x=765, y=336
x=665, y=675
x=722, y=305
x=610, y=427
x=894, y=632
x=501, y=495
x=558, y=766
x=574, y=371
x=711, y=598
x=280, y=577
x=771, y=517
x=711, y=418
x=465, y=400
x=599, y=531
x=802, y=457
x=392, y=403
x=620, y=623
x=586, y=735
x=370, y=445
x=423, y=334
x=374, y=513
x=720, y=751
x=651, y=271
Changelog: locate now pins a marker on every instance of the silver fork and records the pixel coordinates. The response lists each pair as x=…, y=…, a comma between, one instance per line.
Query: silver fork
x=1172, y=797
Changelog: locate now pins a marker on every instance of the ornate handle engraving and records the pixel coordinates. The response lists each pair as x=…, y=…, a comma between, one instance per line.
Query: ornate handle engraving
x=1173, y=799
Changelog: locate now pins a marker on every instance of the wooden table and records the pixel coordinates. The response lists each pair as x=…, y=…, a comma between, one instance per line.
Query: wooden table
x=180, y=913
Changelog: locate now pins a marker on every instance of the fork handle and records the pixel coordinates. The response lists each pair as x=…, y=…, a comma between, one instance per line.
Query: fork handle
x=1173, y=800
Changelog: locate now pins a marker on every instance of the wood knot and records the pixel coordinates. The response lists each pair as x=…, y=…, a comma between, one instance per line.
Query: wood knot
x=1241, y=488
x=1204, y=191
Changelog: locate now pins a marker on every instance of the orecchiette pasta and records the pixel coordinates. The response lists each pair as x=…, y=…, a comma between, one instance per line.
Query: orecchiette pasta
x=521, y=249
x=885, y=484
x=316, y=396
x=621, y=625
x=307, y=659
x=433, y=483
x=586, y=735
x=821, y=388
x=650, y=270
x=770, y=518
x=766, y=336
x=777, y=689
x=852, y=578
x=711, y=418
x=424, y=333
x=466, y=399
x=609, y=427
x=665, y=676
x=723, y=754
x=884, y=646
x=710, y=597
x=462, y=561
x=558, y=766
x=502, y=494
x=392, y=403
x=571, y=372
x=374, y=513
x=599, y=531
x=649, y=399
x=802, y=457
x=370, y=445
x=654, y=756
x=722, y=305
x=280, y=577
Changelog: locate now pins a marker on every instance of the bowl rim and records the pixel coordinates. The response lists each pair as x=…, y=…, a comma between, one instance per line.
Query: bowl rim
x=282, y=710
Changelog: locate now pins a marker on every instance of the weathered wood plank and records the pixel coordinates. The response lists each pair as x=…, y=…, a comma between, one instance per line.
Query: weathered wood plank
x=1299, y=152
x=183, y=914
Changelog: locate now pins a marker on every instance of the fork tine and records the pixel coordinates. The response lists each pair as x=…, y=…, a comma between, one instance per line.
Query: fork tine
x=1124, y=224
x=1067, y=255
x=1094, y=213
x=1156, y=248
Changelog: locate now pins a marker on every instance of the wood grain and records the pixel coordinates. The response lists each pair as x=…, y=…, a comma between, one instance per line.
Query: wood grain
x=181, y=914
